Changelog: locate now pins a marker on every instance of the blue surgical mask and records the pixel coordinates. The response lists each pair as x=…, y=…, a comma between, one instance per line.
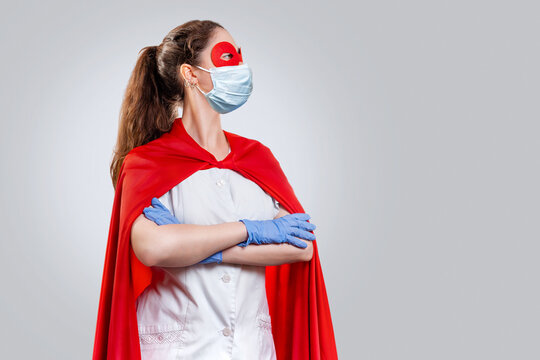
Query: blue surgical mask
x=232, y=87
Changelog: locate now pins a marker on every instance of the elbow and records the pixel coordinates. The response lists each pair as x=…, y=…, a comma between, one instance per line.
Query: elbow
x=148, y=258
x=145, y=241
x=308, y=251
x=155, y=252
x=146, y=253
x=154, y=255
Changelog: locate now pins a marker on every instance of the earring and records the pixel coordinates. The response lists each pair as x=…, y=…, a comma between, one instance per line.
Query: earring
x=187, y=83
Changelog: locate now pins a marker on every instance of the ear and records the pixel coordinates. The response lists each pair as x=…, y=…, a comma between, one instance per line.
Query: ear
x=186, y=73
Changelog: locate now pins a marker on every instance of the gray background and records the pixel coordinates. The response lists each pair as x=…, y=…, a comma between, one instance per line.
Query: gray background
x=409, y=131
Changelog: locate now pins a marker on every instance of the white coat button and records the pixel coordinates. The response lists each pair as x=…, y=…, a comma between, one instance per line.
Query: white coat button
x=226, y=278
x=226, y=331
x=220, y=182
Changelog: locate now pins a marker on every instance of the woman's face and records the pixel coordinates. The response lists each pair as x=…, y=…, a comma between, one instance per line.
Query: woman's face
x=221, y=51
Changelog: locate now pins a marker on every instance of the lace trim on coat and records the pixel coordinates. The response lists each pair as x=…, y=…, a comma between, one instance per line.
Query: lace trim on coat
x=155, y=334
x=164, y=337
x=265, y=321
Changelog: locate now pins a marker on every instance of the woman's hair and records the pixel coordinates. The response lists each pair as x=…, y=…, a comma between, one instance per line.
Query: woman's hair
x=155, y=89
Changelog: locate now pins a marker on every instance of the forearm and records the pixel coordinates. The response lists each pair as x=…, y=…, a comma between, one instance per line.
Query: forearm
x=187, y=244
x=267, y=254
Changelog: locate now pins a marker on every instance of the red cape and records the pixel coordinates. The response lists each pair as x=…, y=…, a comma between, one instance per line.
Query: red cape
x=298, y=304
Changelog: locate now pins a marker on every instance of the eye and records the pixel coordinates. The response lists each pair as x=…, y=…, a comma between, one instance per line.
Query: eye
x=227, y=55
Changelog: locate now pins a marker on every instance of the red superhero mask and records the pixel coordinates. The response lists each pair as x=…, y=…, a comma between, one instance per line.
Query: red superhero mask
x=226, y=47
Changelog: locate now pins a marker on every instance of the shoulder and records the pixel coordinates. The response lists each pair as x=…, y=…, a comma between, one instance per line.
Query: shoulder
x=150, y=150
x=241, y=138
x=248, y=143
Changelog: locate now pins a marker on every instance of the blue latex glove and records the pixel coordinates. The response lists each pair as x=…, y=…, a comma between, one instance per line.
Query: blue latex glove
x=288, y=228
x=159, y=213
x=161, y=216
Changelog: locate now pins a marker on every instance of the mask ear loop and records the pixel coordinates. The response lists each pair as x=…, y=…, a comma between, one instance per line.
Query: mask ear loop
x=203, y=68
x=198, y=88
x=197, y=85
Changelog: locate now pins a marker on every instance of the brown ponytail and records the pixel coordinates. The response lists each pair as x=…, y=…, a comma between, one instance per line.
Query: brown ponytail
x=155, y=89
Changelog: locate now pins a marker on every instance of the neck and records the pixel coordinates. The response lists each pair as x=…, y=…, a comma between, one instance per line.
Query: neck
x=204, y=127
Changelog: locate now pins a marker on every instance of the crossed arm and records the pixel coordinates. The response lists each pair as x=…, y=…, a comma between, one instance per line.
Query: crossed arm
x=174, y=245
x=268, y=254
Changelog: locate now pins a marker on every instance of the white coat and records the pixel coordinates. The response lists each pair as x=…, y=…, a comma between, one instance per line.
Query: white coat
x=209, y=311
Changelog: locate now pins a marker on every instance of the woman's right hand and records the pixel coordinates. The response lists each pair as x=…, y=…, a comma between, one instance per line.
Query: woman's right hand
x=288, y=228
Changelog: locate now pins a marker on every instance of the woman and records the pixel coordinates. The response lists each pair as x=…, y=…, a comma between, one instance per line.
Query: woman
x=203, y=237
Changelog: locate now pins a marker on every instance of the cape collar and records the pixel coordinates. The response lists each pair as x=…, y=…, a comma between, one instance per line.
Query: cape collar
x=179, y=131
